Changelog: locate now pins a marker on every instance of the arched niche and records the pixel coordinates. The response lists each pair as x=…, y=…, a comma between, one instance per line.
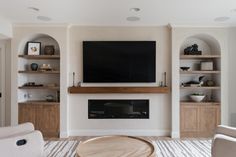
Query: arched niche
x=44, y=39
x=206, y=43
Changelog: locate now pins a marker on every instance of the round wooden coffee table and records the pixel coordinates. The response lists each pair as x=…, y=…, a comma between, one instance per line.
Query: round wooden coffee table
x=116, y=146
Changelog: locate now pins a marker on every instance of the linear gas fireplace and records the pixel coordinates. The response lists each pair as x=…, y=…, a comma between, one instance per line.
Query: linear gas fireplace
x=118, y=109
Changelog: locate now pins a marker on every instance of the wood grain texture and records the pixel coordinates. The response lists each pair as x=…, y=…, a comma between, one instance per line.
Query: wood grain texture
x=199, y=120
x=116, y=146
x=199, y=56
x=45, y=117
x=37, y=57
x=74, y=90
x=39, y=72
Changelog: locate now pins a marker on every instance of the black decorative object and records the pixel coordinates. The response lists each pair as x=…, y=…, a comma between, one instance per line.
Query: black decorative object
x=73, y=79
x=34, y=66
x=192, y=50
x=165, y=79
x=49, y=50
x=198, y=83
x=185, y=68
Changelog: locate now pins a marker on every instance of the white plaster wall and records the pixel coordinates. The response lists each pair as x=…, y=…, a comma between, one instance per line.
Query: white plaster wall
x=232, y=75
x=21, y=35
x=5, y=28
x=179, y=34
x=160, y=113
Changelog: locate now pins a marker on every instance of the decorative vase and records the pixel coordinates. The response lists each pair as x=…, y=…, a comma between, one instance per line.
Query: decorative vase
x=34, y=66
x=49, y=50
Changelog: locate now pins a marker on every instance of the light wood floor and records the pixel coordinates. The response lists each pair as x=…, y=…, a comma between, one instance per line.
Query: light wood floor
x=84, y=138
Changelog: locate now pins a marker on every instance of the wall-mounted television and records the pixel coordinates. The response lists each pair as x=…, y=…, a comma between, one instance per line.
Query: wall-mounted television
x=119, y=61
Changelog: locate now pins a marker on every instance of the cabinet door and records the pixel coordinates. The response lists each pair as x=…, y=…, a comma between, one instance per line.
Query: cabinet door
x=189, y=118
x=209, y=119
x=27, y=113
x=48, y=120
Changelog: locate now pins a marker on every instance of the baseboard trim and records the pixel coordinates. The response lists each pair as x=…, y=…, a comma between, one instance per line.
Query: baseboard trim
x=131, y=132
x=64, y=134
x=175, y=134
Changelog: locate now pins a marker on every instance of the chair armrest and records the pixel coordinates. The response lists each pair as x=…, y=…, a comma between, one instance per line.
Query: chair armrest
x=12, y=130
x=223, y=146
x=226, y=130
x=27, y=145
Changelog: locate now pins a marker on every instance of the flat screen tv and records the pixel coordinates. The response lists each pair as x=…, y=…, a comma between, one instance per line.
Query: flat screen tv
x=119, y=61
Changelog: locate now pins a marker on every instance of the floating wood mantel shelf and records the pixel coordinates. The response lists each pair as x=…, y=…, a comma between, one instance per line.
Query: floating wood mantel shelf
x=130, y=90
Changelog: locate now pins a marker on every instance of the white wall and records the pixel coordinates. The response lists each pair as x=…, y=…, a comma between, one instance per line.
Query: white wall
x=6, y=48
x=232, y=75
x=160, y=113
x=5, y=28
x=179, y=35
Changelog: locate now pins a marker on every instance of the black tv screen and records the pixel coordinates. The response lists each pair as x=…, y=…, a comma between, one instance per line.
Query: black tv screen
x=119, y=61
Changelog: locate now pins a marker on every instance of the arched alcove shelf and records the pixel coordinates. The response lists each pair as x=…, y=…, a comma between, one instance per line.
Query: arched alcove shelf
x=194, y=116
x=39, y=89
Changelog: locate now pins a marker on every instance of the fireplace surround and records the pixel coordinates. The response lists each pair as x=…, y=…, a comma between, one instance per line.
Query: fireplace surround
x=118, y=109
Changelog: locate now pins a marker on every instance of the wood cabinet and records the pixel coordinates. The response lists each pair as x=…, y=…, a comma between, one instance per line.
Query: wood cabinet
x=45, y=117
x=199, y=120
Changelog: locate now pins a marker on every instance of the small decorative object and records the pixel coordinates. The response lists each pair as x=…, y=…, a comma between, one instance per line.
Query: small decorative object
x=197, y=97
x=210, y=83
x=79, y=84
x=207, y=65
x=45, y=67
x=161, y=84
x=165, y=79
x=195, y=83
x=34, y=66
x=49, y=50
x=30, y=84
x=185, y=68
x=192, y=50
x=50, y=98
x=33, y=48
x=73, y=79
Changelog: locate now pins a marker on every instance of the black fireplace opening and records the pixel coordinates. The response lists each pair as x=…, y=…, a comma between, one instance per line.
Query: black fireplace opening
x=118, y=109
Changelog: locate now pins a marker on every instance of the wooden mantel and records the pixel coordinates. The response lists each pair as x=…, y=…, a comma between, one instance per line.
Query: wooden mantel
x=94, y=90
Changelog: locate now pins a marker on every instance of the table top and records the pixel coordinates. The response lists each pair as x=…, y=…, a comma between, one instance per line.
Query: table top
x=116, y=146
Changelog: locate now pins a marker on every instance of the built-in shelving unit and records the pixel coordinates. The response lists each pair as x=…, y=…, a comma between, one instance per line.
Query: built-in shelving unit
x=199, y=119
x=130, y=90
x=39, y=90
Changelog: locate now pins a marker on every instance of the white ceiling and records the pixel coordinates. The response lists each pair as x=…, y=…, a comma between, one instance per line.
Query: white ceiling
x=115, y=12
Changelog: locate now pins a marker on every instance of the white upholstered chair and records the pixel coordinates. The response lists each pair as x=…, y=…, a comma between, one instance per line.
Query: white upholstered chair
x=21, y=141
x=224, y=142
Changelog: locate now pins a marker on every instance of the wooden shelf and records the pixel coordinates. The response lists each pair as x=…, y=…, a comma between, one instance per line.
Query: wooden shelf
x=39, y=102
x=198, y=103
x=39, y=87
x=40, y=56
x=39, y=72
x=199, y=56
x=200, y=72
x=215, y=87
x=118, y=90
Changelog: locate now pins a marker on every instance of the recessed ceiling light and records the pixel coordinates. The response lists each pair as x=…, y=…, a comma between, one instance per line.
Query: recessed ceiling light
x=221, y=19
x=44, y=18
x=135, y=9
x=133, y=18
x=33, y=8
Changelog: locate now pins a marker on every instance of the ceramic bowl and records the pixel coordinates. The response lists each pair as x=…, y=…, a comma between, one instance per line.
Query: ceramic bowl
x=197, y=98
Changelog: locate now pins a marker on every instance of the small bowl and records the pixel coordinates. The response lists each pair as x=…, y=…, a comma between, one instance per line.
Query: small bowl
x=197, y=98
x=185, y=68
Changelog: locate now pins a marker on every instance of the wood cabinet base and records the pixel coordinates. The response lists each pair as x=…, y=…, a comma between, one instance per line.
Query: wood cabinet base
x=45, y=117
x=199, y=120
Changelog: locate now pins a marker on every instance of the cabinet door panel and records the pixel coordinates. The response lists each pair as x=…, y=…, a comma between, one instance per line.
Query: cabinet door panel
x=27, y=114
x=48, y=119
x=209, y=119
x=189, y=118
